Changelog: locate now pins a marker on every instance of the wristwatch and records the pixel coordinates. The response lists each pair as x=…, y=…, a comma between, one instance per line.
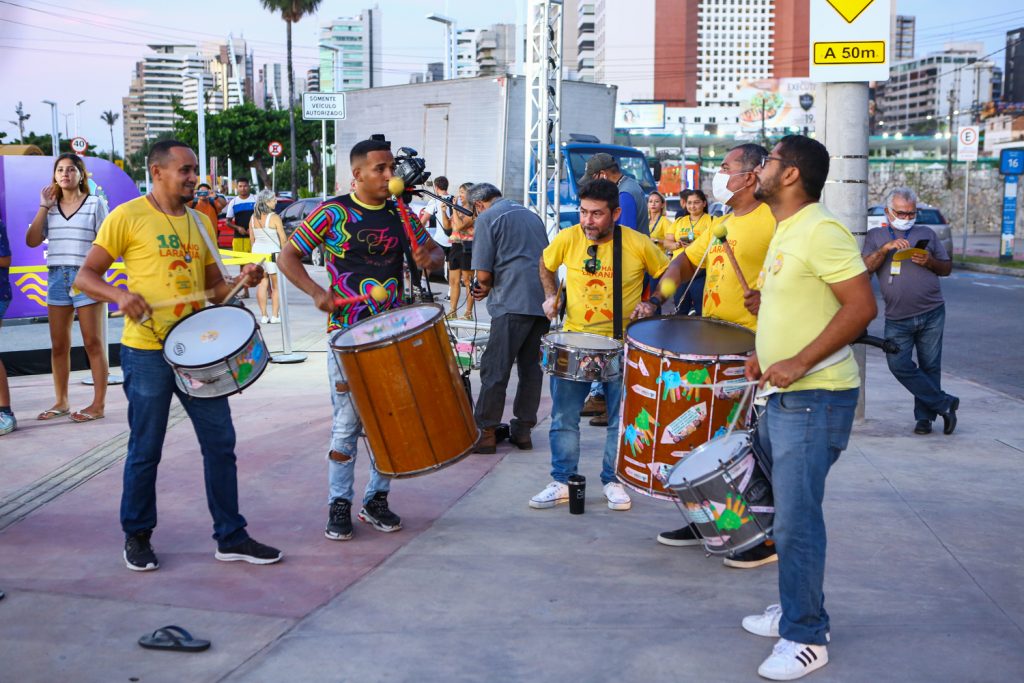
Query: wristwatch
x=655, y=300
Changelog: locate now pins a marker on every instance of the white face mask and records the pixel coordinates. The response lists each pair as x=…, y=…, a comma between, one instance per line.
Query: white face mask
x=719, y=187
x=903, y=224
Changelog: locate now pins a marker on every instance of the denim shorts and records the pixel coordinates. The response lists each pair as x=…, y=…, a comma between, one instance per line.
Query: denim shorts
x=60, y=290
x=4, y=303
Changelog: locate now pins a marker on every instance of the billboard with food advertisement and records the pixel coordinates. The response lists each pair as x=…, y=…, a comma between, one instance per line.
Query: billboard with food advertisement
x=782, y=103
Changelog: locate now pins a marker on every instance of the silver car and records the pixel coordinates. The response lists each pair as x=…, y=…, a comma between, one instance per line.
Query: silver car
x=926, y=215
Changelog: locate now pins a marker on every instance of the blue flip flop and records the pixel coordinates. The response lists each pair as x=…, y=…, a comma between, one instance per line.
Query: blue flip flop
x=173, y=638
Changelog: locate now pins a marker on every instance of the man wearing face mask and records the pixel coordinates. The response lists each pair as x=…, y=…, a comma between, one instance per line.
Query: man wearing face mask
x=915, y=312
x=750, y=228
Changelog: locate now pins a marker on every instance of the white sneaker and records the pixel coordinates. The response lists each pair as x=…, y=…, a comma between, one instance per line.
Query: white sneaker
x=766, y=625
x=274, y=319
x=554, y=493
x=617, y=497
x=790, y=661
x=264, y=319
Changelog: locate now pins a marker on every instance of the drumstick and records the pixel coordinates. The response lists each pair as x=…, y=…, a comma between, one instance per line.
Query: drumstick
x=721, y=232
x=196, y=296
x=377, y=293
x=396, y=186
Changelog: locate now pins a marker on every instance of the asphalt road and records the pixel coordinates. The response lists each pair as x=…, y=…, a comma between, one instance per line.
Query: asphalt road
x=984, y=335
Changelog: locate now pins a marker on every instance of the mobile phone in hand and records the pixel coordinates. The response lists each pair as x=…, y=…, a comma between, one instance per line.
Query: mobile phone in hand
x=921, y=244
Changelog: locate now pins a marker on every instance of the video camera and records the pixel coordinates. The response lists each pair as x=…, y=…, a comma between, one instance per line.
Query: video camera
x=412, y=169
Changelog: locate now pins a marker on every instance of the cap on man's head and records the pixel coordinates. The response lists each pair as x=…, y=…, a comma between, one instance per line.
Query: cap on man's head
x=602, y=161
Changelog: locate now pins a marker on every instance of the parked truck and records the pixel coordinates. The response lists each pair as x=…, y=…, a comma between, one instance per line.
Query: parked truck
x=471, y=130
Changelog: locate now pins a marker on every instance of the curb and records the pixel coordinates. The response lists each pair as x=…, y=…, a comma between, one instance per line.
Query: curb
x=985, y=268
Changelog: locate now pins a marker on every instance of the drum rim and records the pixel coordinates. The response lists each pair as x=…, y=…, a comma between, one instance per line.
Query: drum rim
x=617, y=349
x=713, y=474
x=380, y=343
x=256, y=330
x=238, y=389
x=634, y=343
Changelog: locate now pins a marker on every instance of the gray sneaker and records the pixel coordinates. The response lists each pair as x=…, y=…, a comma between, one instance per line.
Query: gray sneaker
x=7, y=423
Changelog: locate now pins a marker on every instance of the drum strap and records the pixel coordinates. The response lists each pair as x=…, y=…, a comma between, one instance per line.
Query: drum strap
x=210, y=246
x=617, y=282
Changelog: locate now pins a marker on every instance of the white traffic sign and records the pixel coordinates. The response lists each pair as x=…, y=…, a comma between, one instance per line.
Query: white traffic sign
x=849, y=40
x=967, y=143
x=275, y=148
x=323, y=106
x=79, y=145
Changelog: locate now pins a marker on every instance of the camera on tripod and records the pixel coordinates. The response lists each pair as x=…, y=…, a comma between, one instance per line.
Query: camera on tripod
x=411, y=167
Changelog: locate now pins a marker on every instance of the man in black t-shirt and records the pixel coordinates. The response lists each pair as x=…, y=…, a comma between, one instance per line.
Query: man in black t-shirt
x=363, y=240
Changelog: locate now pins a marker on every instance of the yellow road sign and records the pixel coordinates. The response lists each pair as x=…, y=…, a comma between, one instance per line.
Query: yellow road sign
x=859, y=52
x=850, y=9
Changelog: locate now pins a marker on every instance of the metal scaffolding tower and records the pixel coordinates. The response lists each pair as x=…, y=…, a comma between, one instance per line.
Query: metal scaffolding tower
x=543, y=149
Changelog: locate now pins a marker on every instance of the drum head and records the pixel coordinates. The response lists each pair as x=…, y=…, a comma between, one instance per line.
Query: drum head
x=387, y=326
x=582, y=340
x=704, y=460
x=683, y=335
x=209, y=335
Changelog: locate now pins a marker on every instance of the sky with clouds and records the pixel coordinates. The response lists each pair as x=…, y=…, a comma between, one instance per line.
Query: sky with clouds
x=87, y=49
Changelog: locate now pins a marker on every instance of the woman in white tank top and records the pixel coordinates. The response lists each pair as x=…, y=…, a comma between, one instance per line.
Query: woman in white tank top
x=267, y=234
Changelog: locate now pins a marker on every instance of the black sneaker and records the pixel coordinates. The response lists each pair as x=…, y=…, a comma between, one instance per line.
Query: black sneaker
x=680, y=537
x=250, y=551
x=923, y=427
x=138, y=553
x=755, y=557
x=339, y=520
x=376, y=512
x=949, y=417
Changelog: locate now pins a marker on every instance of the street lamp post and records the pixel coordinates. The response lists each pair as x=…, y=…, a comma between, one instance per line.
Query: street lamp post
x=56, y=127
x=201, y=118
x=449, y=34
x=78, y=109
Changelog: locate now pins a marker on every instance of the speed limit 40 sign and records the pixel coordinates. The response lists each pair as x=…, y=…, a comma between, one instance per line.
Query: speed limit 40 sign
x=275, y=148
x=967, y=143
x=79, y=145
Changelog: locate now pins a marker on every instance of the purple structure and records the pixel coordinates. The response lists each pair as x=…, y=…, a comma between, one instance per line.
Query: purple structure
x=21, y=180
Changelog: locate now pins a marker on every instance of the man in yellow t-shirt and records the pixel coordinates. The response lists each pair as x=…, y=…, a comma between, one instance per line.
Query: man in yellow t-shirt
x=167, y=260
x=587, y=252
x=815, y=299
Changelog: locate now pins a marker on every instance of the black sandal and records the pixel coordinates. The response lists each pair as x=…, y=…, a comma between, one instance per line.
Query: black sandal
x=173, y=638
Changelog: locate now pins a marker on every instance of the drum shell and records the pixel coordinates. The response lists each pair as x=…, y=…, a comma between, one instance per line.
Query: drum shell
x=411, y=400
x=580, y=363
x=679, y=419
x=225, y=377
x=742, y=480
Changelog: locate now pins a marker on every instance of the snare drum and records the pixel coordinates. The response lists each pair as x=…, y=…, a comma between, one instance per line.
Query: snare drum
x=663, y=414
x=725, y=493
x=216, y=351
x=581, y=357
x=406, y=387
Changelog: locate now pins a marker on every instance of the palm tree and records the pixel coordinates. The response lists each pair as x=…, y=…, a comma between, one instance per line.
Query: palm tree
x=291, y=11
x=110, y=118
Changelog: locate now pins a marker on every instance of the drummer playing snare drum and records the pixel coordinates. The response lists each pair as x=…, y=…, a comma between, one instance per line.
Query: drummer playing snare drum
x=587, y=252
x=749, y=227
x=363, y=240
x=167, y=258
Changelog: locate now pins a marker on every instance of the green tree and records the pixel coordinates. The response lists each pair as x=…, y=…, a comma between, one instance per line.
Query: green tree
x=291, y=11
x=44, y=143
x=110, y=118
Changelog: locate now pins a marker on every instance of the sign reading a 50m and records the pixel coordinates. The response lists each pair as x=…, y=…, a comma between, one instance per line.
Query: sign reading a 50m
x=850, y=40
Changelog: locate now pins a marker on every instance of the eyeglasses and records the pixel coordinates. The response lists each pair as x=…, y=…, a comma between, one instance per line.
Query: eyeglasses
x=590, y=265
x=904, y=214
x=765, y=159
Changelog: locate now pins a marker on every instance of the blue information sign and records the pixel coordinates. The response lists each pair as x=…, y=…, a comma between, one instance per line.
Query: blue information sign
x=1009, y=217
x=1011, y=161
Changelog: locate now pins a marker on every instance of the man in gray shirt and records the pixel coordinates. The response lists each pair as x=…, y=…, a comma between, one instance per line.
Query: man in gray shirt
x=507, y=246
x=632, y=199
x=915, y=312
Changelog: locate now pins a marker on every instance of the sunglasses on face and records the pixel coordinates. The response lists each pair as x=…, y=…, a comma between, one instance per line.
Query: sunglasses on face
x=590, y=265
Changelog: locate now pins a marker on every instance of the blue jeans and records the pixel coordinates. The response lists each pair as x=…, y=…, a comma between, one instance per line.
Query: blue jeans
x=924, y=380
x=694, y=298
x=806, y=430
x=344, y=437
x=149, y=386
x=567, y=398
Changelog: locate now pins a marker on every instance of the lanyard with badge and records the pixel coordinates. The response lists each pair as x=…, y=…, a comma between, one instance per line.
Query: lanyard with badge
x=895, y=266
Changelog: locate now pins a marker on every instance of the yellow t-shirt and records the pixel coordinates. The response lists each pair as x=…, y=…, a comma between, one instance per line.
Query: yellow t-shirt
x=590, y=302
x=748, y=236
x=155, y=265
x=810, y=251
x=683, y=228
x=661, y=228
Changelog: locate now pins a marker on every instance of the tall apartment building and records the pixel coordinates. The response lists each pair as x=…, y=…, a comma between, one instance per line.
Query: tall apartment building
x=465, y=53
x=691, y=55
x=358, y=58
x=902, y=40
x=313, y=80
x=921, y=92
x=271, y=88
x=1013, y=69
x=496, y=49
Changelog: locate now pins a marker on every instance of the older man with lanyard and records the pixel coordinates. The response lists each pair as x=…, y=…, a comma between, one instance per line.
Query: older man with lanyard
x=805, y=367
x=750, y=228
x=915, y=312
x=509, y=240
x=605, y=266
x=168, y=255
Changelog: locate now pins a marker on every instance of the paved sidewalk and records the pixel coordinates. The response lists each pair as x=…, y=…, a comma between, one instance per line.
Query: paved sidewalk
x=924, y=580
